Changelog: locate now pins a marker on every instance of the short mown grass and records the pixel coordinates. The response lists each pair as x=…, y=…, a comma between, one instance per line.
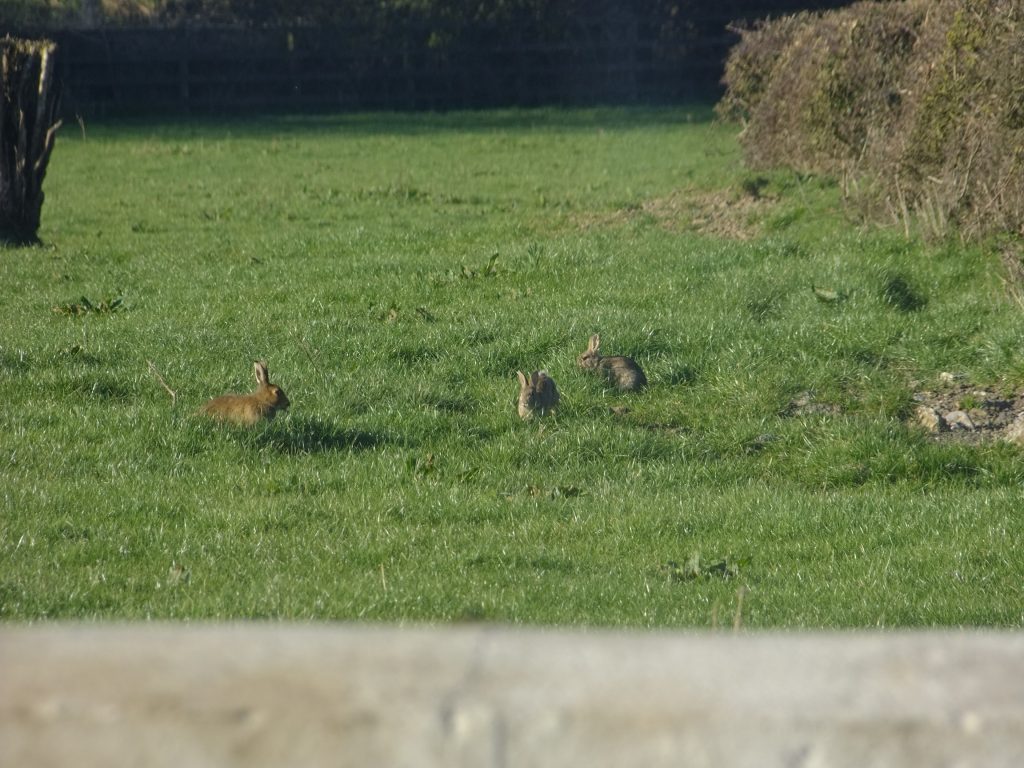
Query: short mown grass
x=395, y=271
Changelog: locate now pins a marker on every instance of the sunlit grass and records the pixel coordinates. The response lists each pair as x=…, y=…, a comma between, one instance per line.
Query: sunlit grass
x=395, y=271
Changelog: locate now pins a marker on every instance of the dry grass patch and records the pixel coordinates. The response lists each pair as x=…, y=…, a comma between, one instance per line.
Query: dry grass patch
x=732, y=214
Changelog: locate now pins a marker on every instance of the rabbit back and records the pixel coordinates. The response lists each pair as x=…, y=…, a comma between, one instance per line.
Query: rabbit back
x=623, y=372
x=538, y=394
x=243, y=410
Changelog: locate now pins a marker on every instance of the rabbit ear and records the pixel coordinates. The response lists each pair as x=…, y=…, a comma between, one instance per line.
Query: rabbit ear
x=522, y=379
x=595, y=342
x=262, y=375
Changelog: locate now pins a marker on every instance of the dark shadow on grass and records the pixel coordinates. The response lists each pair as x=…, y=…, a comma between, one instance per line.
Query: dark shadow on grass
x=101, y=387
x=902, y=295
x=680, y=375
x=310, y=435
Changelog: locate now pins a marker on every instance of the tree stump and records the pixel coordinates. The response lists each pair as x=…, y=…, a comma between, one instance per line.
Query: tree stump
x=28, y=127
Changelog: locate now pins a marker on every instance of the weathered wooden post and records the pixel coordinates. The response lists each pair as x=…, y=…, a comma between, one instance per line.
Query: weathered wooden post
x=28, y=127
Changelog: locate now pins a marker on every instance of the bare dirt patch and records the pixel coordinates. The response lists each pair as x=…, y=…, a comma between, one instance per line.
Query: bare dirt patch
x=960, y=411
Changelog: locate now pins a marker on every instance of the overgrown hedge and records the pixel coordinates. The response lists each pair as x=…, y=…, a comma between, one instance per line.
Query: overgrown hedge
x=918, y=106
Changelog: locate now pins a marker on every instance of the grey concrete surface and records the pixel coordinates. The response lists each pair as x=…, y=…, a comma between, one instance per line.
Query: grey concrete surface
x=335, y=695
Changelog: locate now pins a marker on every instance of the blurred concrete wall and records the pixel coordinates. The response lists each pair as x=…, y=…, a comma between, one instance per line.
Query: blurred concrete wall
x=282, y=695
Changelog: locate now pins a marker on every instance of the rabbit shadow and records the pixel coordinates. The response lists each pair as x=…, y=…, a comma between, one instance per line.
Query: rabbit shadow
x=313, y=435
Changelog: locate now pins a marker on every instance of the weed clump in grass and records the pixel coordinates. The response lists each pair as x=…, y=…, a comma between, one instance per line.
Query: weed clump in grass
x=697, y=567
x=84, y=306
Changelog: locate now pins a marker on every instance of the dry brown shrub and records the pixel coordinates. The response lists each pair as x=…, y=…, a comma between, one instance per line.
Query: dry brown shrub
x=751, y=65
x=919, y=105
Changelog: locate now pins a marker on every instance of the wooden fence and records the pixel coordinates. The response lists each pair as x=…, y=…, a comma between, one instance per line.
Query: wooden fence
x=230, y=69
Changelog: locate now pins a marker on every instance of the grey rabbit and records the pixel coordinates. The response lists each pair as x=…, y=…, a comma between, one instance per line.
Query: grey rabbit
x=619, y=370
x=538, y=394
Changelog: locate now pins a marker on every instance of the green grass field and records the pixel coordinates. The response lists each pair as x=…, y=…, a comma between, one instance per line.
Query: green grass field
x=395, y=271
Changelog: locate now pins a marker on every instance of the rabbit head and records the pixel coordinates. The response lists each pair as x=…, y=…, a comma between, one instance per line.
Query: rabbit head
x=591, y=358
x=538, y=394
x=269, y=394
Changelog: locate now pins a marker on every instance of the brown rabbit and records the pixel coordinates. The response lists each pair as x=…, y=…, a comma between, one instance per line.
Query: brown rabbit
x=248, y=410
x=537, y=394
x=621, y=371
